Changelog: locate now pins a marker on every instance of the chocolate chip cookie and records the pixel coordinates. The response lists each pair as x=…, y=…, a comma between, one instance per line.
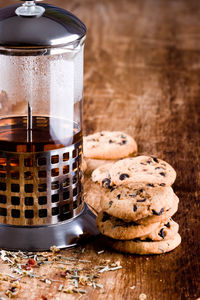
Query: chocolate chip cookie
x=145, y=247
x=109, y=145
x=131, y=204
x=118, y=229
x=145, y=169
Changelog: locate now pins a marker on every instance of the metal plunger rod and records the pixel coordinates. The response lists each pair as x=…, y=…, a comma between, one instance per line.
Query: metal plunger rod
x=29, y=124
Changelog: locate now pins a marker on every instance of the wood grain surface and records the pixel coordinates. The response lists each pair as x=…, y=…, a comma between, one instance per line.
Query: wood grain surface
x=142, y=76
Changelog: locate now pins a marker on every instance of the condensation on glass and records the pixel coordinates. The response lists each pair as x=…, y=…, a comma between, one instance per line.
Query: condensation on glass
x=41, y=134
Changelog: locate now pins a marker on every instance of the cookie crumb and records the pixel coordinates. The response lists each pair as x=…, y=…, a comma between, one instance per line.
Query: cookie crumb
x=132, y=287
x=54, y=249
x=142, y=296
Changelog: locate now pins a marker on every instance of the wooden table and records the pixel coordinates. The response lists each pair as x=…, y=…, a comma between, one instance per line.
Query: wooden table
x=142, y=76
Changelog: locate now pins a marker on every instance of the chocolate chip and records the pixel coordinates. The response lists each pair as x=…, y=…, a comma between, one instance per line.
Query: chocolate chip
x=123, y=142
x=139, y=240
x=110, y=203
x=132, y=223
x=147, y=240
x=105, y=217
x=110, y=141
x=134, y=207
x=162, y=233
x=162, y=184
x=125, y=225
x=150, y=184
x=112, y=188
x=118, y=196
x=122, y=224
x=106, y=182
x=136, y=240
x=101, y=134
x=155, y=159
x=123, y=176
x=141, y=190
x=158, y=213
x=162, y=174
x=142, y=200
x=167, y=225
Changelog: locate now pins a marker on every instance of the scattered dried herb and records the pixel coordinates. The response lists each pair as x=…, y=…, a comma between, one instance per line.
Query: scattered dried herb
x=74, y=272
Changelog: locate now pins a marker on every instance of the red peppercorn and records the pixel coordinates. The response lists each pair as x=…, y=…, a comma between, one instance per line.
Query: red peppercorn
x=31, y=262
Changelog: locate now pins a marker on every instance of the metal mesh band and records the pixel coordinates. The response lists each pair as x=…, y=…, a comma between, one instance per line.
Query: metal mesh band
x=41, y=188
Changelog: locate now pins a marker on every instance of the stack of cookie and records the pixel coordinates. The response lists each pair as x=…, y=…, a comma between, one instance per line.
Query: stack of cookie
x=137, y=205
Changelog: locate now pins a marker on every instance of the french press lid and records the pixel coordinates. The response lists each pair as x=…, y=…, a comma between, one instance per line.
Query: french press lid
x=37, y=25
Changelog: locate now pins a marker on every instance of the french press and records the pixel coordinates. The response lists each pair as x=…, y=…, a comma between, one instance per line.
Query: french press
x=41, y=86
